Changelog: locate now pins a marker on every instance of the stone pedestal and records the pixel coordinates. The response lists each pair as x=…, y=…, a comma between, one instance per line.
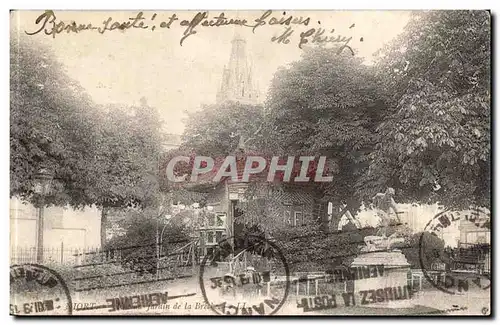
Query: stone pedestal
x=393, y=279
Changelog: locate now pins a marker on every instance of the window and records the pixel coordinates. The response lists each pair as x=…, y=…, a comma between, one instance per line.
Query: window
x=218, y=236
x=298, y=219
x=210, y=237
x=213, y=236
x=220, y=220
x=293, y=216
x=214, y=228
x=288, y=217
x=216, y=220
x=210, y=222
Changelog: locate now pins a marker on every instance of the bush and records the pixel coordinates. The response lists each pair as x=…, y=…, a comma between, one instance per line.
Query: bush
x=137, y=247
x=309, y=248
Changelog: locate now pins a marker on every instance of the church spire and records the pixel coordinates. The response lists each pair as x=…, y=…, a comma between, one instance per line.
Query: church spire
x=237, y=81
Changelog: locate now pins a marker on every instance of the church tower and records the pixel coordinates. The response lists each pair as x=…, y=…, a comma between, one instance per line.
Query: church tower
x=237, y=80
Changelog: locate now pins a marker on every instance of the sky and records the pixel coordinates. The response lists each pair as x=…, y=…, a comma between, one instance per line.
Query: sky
x=123, y=66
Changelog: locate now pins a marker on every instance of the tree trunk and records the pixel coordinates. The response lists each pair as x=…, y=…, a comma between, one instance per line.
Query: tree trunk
x=322, y=213
x=104, y=223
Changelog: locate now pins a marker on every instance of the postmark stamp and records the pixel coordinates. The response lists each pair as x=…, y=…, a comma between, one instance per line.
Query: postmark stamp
x=250, y=280
x=38, y=290
x=438, y=266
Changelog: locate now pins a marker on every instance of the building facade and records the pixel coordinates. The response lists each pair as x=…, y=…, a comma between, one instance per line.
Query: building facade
x=283, y=207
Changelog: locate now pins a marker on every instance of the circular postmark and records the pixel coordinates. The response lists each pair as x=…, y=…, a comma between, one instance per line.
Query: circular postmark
x=37, y=290
x=253, y=279
x=457, y=270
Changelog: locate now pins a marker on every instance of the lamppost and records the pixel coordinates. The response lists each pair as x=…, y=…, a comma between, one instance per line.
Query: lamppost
x=159, y=237
x=43, y=182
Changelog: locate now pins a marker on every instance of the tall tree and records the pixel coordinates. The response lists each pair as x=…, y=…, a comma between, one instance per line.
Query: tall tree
x=126, y=162
x=107, y=156
x=51, y=124
x=434, y=143
x=327, y=104
x=217, y=130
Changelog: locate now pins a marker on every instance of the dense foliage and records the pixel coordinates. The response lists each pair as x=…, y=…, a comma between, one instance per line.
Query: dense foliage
x=138, y=245
x=103, y=156
x=51, y=124
x=216, y=130
x=418, y=120
x=434, y=143
x=422, y=249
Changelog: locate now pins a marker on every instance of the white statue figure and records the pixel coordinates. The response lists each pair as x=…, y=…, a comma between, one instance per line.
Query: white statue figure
x=384, y=203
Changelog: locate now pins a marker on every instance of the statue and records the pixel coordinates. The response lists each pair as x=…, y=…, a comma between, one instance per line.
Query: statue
x=377, y=243
x=384, y=203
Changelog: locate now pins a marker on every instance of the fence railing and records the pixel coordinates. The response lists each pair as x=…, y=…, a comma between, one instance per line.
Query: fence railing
x=133, y=265
x=60, y=254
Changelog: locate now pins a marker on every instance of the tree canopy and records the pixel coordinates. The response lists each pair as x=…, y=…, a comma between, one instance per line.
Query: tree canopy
x=104, y=156
x=51, y=124
x=215, y=130
x=418, y=120
x=327, y=104
x=434, y=141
